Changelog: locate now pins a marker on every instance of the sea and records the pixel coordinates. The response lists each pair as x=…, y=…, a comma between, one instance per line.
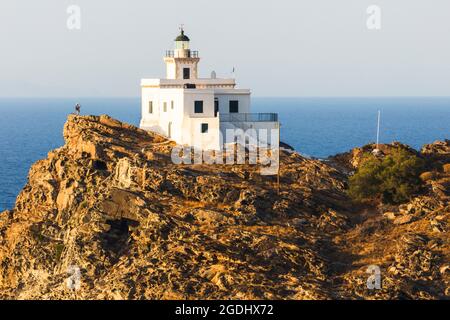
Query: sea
x=315, y=127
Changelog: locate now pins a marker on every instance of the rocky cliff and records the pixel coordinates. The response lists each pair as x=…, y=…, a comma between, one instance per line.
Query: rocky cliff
x=111, y=208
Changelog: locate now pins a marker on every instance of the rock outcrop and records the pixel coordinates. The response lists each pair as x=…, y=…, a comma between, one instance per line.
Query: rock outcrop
x=110, y=216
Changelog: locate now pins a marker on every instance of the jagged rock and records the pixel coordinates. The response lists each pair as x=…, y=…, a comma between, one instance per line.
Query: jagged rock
x=111, y=204
x=390, y=215
x=404, y=219
x=413, y=259
x=444, y=269
x=437, y=147
x=332, y=219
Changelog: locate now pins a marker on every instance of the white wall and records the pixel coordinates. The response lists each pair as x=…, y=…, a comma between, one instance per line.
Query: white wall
x=174, y=67
x=205, y=95
x=171, y=70
x=193, y=121
x=186, y=63
x=159, y=120
x=185, y=123
x=225, y=98
x=205, y=141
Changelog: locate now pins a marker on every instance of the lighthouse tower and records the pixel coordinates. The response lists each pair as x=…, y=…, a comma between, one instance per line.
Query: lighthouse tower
x=181, y=63
x=196, y=111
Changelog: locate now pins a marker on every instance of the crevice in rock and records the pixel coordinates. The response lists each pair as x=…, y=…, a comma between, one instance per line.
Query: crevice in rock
x=115, y=241
x=99, y=165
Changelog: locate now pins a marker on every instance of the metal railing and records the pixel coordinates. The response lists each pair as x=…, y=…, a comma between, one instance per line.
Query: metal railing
x=248, y=117
x=190, y=54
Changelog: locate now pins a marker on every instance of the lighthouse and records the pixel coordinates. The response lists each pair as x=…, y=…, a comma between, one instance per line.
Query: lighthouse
x=181, y=63
x=193, y=110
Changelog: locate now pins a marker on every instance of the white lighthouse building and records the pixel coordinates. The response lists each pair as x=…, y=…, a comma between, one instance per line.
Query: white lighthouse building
x=198, y=111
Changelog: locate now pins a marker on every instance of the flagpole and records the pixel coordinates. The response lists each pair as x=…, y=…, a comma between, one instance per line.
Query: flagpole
x=279, y=163
x=378, y=128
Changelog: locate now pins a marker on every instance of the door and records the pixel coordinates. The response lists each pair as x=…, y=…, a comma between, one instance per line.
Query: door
x=216, y=107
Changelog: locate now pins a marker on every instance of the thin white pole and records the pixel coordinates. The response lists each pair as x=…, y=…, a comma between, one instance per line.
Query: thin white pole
x=279, y=164
x=378, y=128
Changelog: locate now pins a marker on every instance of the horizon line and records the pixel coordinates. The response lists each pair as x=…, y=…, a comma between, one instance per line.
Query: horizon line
x=253, y=96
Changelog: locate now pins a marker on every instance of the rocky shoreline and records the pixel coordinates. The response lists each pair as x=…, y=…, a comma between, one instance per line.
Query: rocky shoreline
x=111, y=204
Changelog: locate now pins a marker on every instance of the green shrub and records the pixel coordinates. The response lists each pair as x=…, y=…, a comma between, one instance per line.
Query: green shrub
x=393, y=178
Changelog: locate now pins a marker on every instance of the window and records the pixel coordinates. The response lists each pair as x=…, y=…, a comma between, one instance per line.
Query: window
x=186, y=73
x=150, y=107
x=234, y=106
x=204, y=127
x=165, y=106
x=171, y=104
x=198, y=106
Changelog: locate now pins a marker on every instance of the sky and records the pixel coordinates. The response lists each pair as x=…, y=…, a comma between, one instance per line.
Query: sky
x=280, y=48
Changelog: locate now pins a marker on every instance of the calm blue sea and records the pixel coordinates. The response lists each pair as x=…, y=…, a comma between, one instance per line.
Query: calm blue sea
x=318, y=127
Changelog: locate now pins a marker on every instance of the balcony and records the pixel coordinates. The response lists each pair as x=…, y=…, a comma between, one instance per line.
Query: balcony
x=248, y=117
x=190, y=54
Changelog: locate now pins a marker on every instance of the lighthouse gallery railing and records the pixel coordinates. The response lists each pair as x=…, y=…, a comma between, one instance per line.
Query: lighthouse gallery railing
x=190, y=54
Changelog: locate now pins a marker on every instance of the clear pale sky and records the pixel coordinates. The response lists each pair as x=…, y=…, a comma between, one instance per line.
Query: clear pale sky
x=279, y=48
